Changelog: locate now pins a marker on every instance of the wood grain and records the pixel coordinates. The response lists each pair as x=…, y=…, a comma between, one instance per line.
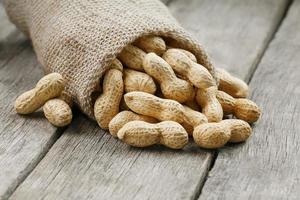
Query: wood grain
x=235, y=33
x=87, y=163
x=23, y=140
x=268, y=165
x=11, y=40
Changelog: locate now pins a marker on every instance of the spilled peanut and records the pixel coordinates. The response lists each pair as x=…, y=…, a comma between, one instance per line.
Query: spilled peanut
x=50, y=86
x=107, y=104
x=231, y=85
x=209, y=103
x=124, y=117
x=241, y=108
x=171, y=86
x=217, y=134
x=58, y=112
x=143, y=134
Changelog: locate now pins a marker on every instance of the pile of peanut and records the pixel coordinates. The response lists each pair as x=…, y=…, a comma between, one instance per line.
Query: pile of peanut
x=157, y=93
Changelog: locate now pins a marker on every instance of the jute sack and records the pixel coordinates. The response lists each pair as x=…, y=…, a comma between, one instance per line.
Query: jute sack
x=79, y=38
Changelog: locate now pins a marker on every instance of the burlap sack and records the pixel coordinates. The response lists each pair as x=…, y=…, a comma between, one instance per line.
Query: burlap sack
x=79, y=38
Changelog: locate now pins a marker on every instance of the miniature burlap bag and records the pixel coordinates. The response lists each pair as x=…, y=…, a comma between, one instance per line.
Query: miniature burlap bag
x=79, y=38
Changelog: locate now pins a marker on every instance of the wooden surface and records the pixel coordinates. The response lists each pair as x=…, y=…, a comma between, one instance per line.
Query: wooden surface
x=87, y=163
x=268, y=166
x=235, y=33
x=23, y=140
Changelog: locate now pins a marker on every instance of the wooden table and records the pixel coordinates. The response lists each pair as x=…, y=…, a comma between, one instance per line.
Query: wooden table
x=258, y=40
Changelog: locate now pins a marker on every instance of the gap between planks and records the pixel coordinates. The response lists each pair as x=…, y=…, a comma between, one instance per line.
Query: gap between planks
x=249, y=78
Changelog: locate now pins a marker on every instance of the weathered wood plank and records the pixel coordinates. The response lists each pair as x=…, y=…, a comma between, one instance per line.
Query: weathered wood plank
x=86, y=163
x=235, y=33
x=11, y=40
x=268, y=166
x=23, y=140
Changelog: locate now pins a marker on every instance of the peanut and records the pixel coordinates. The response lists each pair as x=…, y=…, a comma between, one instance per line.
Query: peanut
x=58, y=112
x=150, y=44
x=239, y=129
x=164, y=109
x=150, y=105
x=211, y=135
x=138, y=81
x=171, y=86
x=192, y=102
x=216, y=135
x=116, y=64
x=198, y=75
x=123, y=118
x=191, y=56
x=107, y=104
x=232, y=85
x=241, y=108
x=210, y=105
x=143, y=134
x=193, y=119
x=50, y=86
x=132, y=57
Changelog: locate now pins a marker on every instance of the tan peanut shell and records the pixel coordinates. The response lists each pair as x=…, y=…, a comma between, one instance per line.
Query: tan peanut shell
x=246, y=110
x=210, y=105
x=150, y=44
x=241, y=108
x=198, y=75
x=50, y=86
x=227, y=102
x=150, y=105
x=239, y=129
x=211, y=135
x=124, y=117
x=138, y=81
x=143, y=134
x=107, y=104
x=58, y=112
x=116, y=64
x=191, y=56
x=231, y=85
x=193, y=119
x=132, y=57
x=171, y=86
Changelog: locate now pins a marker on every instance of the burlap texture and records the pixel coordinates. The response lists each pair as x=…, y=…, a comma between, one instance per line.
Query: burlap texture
x=79, y=38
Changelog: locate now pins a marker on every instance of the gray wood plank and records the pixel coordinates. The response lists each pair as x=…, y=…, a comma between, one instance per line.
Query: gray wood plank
x=268, y=166
x=235, y=33
x=11, y=40
x=23, y=140
x=86, y=163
